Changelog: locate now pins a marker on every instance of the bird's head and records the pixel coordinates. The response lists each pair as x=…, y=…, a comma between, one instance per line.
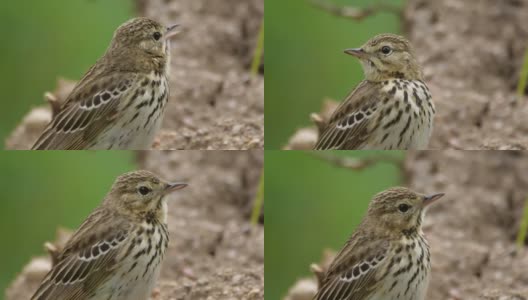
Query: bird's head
x=143, y=38
x=140, y=192
x=399, y=209
x=387, y=56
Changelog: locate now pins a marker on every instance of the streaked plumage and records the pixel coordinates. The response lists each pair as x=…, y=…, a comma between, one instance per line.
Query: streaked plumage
x=391, y=109
x=117, y=252
x=119, y=103
x=387, y=257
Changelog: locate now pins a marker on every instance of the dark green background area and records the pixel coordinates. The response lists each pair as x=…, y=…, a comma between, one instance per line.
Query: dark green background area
x=43, y=190
x=305, y=62
x=312, y=205
x=43, y=40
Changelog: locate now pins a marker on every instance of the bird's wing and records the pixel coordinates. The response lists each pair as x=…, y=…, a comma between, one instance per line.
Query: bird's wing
x=88, y=259
x=350, y=124
x=355, y=272
x=87, y=111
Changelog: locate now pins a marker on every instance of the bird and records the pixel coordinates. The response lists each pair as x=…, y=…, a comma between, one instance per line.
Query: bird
x=117, y=251
x=387, y=256
x=391, y=108
x=119, y=103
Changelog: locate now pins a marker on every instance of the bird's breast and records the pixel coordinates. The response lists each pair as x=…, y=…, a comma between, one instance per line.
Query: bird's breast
x=405, y=113
x=141, y=115
x=140, y=263
x=406, y=273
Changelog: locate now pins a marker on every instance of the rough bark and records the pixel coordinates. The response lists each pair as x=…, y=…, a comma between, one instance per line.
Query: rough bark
x=215, y=103
x=214, y=252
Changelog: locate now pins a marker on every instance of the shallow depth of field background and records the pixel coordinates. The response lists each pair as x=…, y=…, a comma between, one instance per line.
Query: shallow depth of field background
x=305, y=62
x=312, y=205
x=44, y=40
x=43, y=190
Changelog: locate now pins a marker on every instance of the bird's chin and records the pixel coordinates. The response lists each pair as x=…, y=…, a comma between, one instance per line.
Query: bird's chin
x=168, y=56
x=164, y=209
x=369, y=69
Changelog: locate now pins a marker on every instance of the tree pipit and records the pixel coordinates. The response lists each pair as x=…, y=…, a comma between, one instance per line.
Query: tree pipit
x=387, y=257
x=120, y=101
x=117, y=252
x=391, y=109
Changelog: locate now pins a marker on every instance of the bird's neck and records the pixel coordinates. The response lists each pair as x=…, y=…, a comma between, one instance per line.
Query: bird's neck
x=136, y=62
x=416, y=227
x=392, y=75
x=157, y=214
x=411, y=71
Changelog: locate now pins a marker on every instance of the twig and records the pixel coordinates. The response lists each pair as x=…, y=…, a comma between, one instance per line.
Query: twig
x=357, y=164
x=319, y=273
x=355, y=13
x=257, y=55
x=54, y=102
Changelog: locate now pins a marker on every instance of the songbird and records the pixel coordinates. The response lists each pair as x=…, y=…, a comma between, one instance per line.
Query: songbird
x=387, y=257
x=390, y=109
x=117, y=251
x=120, y=101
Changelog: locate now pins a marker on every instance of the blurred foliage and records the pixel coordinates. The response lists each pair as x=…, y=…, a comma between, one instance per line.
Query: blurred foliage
x=523, y=77
x=259, y=49
x=258, y=202
x=312, y=205
x=523, y=227
x=305, y=61
x=44, y=40
x=43, y=190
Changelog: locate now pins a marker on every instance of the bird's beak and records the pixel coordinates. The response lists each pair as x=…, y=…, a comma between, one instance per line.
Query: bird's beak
x=432, y=198
x=171, y=187
x=357, y=52
x=172, y=31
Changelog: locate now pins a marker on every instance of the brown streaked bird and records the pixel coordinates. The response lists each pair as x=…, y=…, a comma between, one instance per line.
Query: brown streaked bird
x=120, y=101
x=117, y=251
x=390, y=109
x=387, y=257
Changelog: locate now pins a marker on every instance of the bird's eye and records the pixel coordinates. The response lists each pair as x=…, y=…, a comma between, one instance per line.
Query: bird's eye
x=386, y=49
x=403, y=207
x=156, y=35
x=143, y=190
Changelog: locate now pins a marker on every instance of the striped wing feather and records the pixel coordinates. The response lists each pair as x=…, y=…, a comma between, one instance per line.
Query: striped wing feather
x=87, y=261
x=91, y=106
x=351, y=122
x=354, y=274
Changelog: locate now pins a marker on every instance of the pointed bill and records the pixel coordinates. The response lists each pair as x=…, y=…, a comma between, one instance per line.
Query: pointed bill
x=431, y=198
x=171, y=187
x=357, y=52
x=172, y=31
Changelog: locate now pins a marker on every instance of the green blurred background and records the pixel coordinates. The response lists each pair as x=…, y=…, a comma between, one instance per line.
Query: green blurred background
x=44, y=40
x=43, y=190
x=305, y=61
x=312, y=205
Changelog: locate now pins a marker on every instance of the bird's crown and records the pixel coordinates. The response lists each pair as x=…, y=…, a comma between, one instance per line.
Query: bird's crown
x=137, y=29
